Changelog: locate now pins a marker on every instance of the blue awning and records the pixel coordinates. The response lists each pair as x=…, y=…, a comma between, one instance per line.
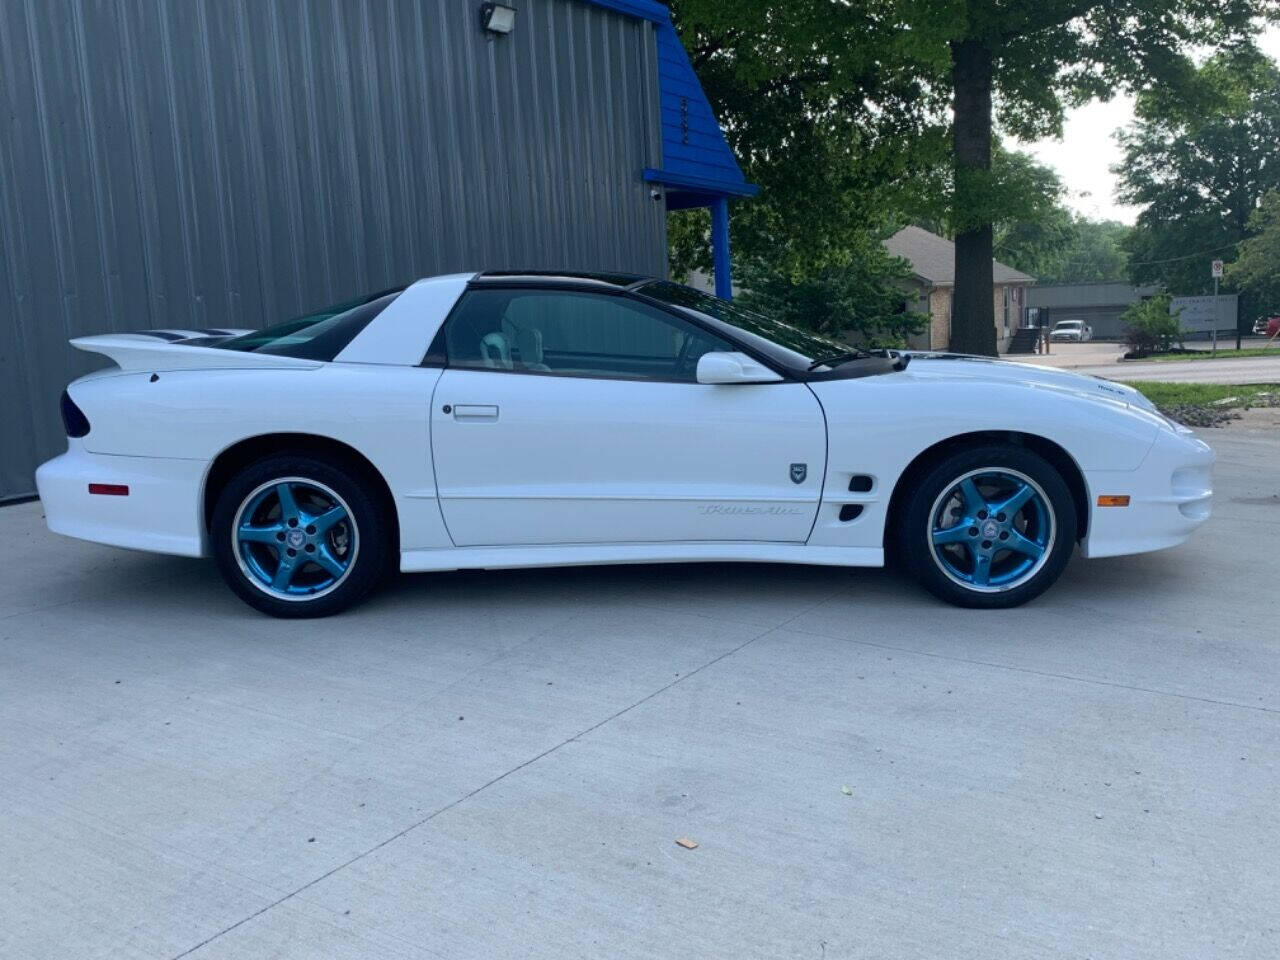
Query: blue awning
x=697, y=165
x=698, y=168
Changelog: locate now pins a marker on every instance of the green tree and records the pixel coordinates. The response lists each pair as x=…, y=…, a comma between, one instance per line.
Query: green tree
x=1032, y=224
x=1034, y=230
x=1022, y=62
x=1256, y=270
x=829, y=129
x=1035, y=227
x=1094, y=252
x=863, y=300
x=816, y=115
x=1199, y=160
x=828, y=103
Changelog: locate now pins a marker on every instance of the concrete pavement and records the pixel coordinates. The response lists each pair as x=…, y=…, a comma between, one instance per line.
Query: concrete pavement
x=498, y=764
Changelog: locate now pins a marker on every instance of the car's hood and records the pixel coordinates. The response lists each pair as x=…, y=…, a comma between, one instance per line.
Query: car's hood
x=1007, y=371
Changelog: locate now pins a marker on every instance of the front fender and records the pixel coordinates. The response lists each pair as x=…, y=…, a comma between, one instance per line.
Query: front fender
x=876, y=426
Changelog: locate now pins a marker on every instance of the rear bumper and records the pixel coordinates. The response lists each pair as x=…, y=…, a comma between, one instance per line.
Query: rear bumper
x=161, y=513
x=1170, y=496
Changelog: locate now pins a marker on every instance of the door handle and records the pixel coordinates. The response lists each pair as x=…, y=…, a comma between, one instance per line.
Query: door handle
x=475, y=411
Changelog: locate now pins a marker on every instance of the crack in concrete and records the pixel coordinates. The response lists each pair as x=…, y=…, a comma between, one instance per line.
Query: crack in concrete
x=498, y=779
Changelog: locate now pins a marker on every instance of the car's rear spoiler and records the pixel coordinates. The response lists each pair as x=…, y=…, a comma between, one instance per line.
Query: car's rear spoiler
x=157, y=350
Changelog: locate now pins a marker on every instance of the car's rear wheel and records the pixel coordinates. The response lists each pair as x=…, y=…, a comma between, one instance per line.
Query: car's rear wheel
x=989, y=527
x=298, y=537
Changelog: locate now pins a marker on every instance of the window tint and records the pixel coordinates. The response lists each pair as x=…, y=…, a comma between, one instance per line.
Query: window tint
x=574, y=334
x=786, y=345
x=317, y=336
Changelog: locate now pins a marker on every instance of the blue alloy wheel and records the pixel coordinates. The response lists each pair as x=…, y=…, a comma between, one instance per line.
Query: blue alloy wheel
x=295, y=539
x=992, y=529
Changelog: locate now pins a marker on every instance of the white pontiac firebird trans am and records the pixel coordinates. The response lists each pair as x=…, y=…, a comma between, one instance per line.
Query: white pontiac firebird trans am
x=518, y=419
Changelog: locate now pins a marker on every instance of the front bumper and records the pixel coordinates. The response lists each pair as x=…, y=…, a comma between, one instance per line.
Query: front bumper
x=1170, y=496
x=161, y=513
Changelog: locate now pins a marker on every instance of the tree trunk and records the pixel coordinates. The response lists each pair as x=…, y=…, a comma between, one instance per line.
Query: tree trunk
x=973, y=307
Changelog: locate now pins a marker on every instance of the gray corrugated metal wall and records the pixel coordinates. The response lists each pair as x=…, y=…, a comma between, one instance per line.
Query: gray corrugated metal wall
x=202, y=163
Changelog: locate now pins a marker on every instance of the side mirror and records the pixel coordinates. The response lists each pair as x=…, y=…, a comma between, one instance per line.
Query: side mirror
x=727, y=367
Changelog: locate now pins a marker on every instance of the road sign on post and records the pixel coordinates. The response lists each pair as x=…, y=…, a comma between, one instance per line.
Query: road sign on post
x=1217, y=275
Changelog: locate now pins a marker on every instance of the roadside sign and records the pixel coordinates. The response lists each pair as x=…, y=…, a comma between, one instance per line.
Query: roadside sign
x=1217, y=269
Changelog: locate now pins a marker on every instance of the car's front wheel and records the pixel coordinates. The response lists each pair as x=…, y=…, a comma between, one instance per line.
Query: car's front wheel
x=990, y=526
x=298, y=537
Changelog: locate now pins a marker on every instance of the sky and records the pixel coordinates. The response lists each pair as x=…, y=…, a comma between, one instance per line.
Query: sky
x=1087, y=151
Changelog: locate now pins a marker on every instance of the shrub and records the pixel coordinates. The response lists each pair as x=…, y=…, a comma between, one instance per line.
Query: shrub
x=1151, y=328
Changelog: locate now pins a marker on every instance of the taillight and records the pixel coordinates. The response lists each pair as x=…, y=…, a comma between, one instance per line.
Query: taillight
x=73, y=417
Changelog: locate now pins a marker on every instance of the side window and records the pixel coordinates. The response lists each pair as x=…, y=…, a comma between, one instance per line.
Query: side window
x=574, y=334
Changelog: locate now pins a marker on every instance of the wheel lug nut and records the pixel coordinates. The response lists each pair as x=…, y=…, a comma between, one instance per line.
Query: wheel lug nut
x=311, y=528
x=1000, y=517
x=973, y=532
x=311, y=548
x=986, y=544
x=280, y=537
x=1004, y=536
x=982, y=514
x=293, y=521
x=292, y=552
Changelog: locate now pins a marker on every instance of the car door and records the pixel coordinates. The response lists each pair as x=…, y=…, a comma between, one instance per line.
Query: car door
x=572, y=416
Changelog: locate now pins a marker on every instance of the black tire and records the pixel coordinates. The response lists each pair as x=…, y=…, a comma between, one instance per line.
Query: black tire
x=367, y=535
x=987, y=465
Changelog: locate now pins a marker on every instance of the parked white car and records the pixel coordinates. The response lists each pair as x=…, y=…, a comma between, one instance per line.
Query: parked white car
x=503, y=420
x=1074, y=331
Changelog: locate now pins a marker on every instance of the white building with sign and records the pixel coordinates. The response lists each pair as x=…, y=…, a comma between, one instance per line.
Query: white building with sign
x=1204, y=314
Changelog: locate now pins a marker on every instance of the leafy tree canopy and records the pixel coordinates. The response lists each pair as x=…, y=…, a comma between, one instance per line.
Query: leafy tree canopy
x=1034, y=231
x=1200, y=160
x=831, y=106
x=1093, y=253
x=1256, y=270
x=816, y=114
x=866, y=300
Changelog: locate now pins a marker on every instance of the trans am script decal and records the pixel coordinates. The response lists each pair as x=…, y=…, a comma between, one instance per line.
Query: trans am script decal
x=731, y=510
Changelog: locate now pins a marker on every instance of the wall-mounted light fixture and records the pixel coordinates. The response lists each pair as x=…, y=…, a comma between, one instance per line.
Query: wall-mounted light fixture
x=497, y=17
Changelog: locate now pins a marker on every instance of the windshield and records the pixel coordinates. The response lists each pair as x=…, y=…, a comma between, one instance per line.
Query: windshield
x=785, y=344
x=316, y=336
x=1065, y=324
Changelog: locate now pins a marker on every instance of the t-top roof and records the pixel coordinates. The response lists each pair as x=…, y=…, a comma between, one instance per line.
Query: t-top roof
x=505, y=278
x=933, y=258
x=697, y=164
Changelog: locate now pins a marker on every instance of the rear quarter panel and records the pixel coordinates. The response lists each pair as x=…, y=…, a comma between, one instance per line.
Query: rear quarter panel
x=380, y=410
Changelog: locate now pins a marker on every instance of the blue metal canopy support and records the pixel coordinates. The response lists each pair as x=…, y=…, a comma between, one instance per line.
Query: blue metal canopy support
x=720, y=248
x=685, y=192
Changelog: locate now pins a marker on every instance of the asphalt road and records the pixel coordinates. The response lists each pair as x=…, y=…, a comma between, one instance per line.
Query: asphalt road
x=498, y=765
x=1102, y=359
x=1242, y=370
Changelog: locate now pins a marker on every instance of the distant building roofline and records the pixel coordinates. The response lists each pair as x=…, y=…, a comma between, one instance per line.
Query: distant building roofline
x=933, y=259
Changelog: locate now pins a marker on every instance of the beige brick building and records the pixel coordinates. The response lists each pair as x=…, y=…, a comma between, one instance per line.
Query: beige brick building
x=933, y=260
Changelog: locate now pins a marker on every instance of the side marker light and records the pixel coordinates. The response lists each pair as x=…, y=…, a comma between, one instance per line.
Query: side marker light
x=109, y=489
